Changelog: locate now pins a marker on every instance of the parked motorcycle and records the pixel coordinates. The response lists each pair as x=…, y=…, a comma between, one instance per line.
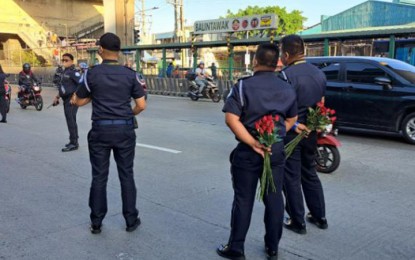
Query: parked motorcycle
x=211, y=90
x=31, y=97
x=327, y=154
x=8, y=94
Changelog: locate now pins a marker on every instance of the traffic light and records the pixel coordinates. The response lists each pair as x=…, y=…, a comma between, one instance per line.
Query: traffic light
x=136, y=36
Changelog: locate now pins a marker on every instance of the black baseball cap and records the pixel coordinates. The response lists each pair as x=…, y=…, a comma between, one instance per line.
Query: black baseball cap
x=110, y=41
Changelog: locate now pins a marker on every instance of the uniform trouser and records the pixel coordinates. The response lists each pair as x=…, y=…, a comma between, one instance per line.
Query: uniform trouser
x=3, y=107
x=121, y=140
x=300, y=172
x=246, y=169
x=70, y=115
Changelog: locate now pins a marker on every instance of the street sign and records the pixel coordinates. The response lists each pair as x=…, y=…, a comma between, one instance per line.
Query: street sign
x=246, y=23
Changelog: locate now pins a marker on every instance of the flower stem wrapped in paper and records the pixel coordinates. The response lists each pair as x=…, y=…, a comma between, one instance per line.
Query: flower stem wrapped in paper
x=267, y=135
x=317, y=120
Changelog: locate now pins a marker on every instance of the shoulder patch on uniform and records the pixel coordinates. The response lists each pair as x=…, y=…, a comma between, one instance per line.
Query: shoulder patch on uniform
x=140, y=79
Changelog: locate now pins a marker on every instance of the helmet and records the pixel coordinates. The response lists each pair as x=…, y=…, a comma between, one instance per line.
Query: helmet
x=83, y=65
x=201, y=63
x=26, y=66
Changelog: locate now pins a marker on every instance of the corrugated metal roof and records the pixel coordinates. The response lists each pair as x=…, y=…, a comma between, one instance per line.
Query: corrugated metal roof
x=371, y=13
x=162, y=36
x=312, y=30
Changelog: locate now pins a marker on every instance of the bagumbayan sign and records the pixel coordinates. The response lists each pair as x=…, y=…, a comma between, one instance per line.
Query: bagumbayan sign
x=247, y=23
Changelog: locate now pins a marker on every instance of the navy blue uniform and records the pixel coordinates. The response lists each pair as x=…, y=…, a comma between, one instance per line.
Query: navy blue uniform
x=310, y=85
x=111, y=87
x=251, y=99
x=3, y=103
x=67, y=84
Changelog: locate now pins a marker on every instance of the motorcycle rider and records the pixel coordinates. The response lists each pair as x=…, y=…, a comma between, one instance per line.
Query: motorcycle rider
x=201, y=75
x=26, y=80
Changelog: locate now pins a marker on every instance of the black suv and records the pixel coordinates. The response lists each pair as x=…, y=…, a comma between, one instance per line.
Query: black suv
x=371, y=93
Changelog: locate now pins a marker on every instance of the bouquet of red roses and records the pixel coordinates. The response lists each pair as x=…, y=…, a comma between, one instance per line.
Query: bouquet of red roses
x=268, y=135
x=317, y=120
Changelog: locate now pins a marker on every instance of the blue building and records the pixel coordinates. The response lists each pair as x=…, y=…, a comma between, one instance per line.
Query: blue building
x=368, y=16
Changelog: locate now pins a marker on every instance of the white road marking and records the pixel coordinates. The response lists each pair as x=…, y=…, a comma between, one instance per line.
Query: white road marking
x=158, y=148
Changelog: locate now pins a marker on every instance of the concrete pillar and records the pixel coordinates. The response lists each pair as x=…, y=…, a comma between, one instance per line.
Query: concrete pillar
x=119, y=19
x=109, y=16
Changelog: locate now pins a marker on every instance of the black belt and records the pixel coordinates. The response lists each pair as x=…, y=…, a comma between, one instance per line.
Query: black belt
x=113, y=122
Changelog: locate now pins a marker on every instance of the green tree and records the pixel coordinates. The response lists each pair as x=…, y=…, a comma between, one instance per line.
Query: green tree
x=288, y=23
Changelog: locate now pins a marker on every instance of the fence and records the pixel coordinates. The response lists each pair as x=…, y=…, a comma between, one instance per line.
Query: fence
x=158, y=86
x=177, y=87
x=40, y=57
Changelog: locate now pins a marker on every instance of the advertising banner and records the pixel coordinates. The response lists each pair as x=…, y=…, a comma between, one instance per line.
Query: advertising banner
x=247, y=23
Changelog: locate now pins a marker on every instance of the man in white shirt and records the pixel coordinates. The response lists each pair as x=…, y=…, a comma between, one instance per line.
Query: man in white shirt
x=201, y=75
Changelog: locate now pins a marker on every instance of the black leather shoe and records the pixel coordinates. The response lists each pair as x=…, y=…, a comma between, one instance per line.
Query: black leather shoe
x=68, y=144
x=271, y=254
x=70, y=147
x=321, y=223
x=3, y=121
x=134, y=226
x=297, y=228
x=226, y=252
x=95, y=229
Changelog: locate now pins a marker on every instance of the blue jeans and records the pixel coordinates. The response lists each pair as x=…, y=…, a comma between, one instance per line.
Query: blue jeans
x=201, y=83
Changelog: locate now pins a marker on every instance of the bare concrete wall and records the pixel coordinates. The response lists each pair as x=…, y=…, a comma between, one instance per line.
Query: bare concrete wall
x=58, y=15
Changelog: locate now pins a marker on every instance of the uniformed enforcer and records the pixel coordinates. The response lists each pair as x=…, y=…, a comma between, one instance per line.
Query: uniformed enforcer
x=3, y=102
x=110, y=87
x=249, y=100
x=67, y=82
x=300, y=170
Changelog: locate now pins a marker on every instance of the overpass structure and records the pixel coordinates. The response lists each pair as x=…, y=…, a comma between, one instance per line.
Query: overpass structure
x=33, y=24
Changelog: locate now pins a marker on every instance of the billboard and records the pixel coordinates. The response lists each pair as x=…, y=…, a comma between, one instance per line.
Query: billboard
x=240, y=24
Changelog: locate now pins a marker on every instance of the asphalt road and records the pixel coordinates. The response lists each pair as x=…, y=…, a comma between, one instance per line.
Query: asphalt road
x=185, y=193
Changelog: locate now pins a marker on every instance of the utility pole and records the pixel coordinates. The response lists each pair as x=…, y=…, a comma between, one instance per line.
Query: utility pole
x=182, y=30
x=177, y=20
x=178, y=17
x=182, y=33
x=179, y=32
x=143, y=19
